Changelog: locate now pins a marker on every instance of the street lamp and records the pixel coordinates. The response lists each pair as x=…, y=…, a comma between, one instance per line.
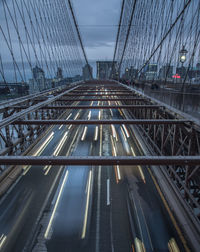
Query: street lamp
x=183, y=53
x=182, y=58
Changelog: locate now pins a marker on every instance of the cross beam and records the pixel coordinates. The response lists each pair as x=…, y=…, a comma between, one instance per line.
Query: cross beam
x=100, y=160
x=142, y=121
x=101, y=99
x=99, y=107
x=102, y=94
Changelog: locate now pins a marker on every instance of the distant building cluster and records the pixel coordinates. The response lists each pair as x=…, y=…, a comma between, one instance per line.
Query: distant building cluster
x=164, y=73
x=39, y=81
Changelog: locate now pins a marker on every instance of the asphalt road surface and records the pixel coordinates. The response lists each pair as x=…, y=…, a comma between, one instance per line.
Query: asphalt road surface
x=81, y=207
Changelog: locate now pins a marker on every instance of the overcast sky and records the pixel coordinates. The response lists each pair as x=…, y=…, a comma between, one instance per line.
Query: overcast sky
x=98, y=20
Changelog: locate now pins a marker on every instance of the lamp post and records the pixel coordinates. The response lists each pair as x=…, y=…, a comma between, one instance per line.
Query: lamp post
x=183, y=53
x=182, y=58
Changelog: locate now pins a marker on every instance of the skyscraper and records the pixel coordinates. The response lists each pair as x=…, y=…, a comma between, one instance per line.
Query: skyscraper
x=87, y=72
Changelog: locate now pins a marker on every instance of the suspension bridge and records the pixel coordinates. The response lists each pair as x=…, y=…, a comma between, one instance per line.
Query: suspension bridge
x=100, y=164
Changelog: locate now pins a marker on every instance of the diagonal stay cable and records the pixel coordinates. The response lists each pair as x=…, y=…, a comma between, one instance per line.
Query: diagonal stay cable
x=166, y=34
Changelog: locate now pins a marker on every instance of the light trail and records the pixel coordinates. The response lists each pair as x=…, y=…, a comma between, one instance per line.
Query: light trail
x=117, y=170
x=66, y=119
x=126, y=131
x=42, y=147
x=99, y=116
x=76, y=116
x=56, y=205
x=111, y=112
x=87, y=206
x=172, y=246
x=84, y=133
x=96, y=133
x=125, y=139
x=69, y=116
x=139, y=167
x=39, y=151
x=108, y=192
x=2, y=240
x=89, y=115
x=56, y=152
x=114, y=133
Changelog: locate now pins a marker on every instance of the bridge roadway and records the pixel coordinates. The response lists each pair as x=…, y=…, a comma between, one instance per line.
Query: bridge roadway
x=82, y=207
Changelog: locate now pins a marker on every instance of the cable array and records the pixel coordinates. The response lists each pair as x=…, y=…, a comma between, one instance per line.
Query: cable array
x=153, y=35
x=39, y=34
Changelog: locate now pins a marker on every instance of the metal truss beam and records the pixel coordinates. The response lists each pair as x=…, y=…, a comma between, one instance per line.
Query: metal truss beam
x=104, y=94
x=102, y=99
x=14, y=117
x=14, y=102
x=98, y=107
x=100, y=160
x=142, y=122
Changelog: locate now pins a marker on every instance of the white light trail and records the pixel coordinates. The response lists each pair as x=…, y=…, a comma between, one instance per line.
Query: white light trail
x=108, y=192
x=118, y=173
x=89, y=115
x=2, y=240
x=60, y=145
x=46, y=142
x=126, y=131
x=56, y=152
x=87, y=206
x=96, y=133
x=99, y=116
x=84, y=134
x=39, y=151
x=115, y=154
x=69, y=116
x=111, y=112
x=56, y=205
x=123, y=134
x=76, y=116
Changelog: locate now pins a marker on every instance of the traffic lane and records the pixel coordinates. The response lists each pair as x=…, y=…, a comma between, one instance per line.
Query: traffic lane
x=69, y=223
x=152, y=227
x=115, y=232
x=15, y=221
x=16, y=209
x=35, y=181
x=154, y=216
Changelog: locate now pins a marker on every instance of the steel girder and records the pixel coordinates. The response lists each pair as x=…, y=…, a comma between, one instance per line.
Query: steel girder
x=100, y=160
x=174, y=139
x=79, y=122
x=14, y=139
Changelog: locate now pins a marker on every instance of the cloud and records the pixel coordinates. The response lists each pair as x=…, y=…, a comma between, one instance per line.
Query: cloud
x=98, y=22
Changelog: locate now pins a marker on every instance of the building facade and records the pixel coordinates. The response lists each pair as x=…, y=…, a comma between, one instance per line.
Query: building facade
x=166, y=72
x=150, y=71
x=87, y=72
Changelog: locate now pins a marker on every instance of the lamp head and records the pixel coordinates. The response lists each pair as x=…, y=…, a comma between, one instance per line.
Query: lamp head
x=183, y=53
